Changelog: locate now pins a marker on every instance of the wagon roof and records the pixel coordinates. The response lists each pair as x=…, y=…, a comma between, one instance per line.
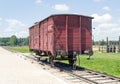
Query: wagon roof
x=61, y=15
x=71, y=15
x=65, y=15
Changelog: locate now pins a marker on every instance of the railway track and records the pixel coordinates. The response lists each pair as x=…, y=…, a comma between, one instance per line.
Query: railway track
x=93, y=77
x=78, y=76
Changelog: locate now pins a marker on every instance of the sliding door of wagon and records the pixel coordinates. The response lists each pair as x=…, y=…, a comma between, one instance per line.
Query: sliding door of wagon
x=43, y=36
x=60, y=33
x=50, y=41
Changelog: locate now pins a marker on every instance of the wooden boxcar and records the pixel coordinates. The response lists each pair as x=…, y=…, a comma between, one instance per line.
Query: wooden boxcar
x=61, y=34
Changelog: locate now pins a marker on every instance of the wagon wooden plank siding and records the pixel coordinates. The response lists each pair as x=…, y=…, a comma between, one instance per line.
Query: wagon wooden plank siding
x=61, y=34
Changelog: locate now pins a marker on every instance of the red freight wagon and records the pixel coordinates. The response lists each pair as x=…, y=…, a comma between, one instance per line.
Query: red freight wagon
x=61, y=34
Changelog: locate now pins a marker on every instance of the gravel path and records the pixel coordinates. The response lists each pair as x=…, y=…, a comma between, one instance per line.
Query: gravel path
x=16, y=70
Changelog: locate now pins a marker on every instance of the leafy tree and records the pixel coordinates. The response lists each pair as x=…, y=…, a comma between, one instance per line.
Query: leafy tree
x=26, y=42
x=4, y=41
x=103, y=42
x=13, y=40
x=23, y=41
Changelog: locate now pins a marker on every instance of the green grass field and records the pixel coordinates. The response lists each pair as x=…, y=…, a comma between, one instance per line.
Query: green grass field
x=24, y=49
x=108, y=63
x=103, y=62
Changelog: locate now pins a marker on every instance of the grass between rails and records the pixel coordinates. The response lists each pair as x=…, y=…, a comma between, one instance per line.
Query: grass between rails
x=103, y=62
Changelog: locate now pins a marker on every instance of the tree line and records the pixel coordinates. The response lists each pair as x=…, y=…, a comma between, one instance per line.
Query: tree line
x=103, y=42
x=14, y=41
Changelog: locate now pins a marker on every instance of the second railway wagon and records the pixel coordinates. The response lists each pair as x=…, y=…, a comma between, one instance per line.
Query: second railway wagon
x=65, y=35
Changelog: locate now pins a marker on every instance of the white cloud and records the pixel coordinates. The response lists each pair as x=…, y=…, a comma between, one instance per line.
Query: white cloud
x=106, y=8
x=38, y=1
x=97, y=0
x=76, y=13
x=119, y=20
x=105, y=27
x=61, y=7
x=102, y=19
x=108, y=26
x=14, y=24
x=15, y=27
x=22, y=33
x=0, y=21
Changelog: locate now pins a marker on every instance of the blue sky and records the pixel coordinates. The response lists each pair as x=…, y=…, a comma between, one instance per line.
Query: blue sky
x=16, y=16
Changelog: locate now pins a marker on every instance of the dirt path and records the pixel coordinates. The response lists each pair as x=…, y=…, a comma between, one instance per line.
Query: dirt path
x=16, y=70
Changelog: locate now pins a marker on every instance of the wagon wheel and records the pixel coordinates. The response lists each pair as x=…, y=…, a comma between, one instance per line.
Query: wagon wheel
x=51, y=58
x=38, y=59
x=37, y=52
x=72, y=61
x=74, y=64
x=90, y=53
